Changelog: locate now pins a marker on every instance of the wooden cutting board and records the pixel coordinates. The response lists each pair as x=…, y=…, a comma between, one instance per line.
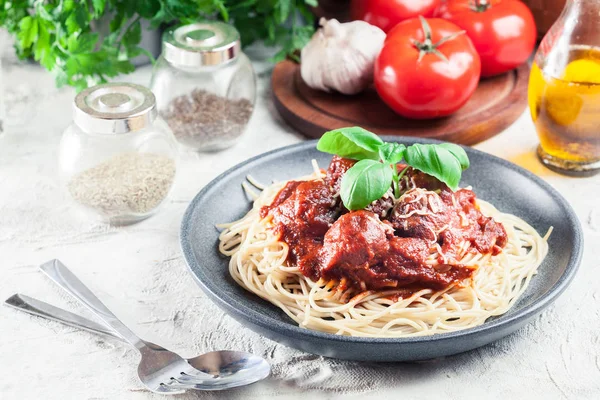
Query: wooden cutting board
x=495, y=105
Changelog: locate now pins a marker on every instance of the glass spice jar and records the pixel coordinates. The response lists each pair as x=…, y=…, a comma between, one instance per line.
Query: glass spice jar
x=118, y=158
x=205, y=85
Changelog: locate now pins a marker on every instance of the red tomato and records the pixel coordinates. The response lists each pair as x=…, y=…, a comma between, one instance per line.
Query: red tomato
x=387, y=13
x=420, y=83
x=503, y=31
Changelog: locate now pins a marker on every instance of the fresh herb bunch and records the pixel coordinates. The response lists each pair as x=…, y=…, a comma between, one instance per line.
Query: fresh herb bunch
x=61, y=34
x=376, y=171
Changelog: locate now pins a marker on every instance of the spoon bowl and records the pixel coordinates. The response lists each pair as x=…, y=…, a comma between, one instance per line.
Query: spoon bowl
x=228, y=369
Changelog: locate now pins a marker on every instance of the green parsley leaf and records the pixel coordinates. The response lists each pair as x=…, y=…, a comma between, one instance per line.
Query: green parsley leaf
x=220, y=6
x=117, y=23
x=282, y=10
x=29, y=32
x=53, y=32
x=148, y=9
x=68, y=5
x=60, y=77
x=71, y=24
x=133, y=35
x=82, y=43
x=42, y=12
x=42, y=50
x=98, y=6
x=42, y=44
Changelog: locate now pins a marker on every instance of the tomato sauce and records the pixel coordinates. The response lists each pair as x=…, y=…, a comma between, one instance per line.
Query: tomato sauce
x=386, y=245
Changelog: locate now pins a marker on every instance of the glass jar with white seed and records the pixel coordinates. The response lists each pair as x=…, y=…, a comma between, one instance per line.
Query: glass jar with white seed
x=118, y=157
x=205, y=85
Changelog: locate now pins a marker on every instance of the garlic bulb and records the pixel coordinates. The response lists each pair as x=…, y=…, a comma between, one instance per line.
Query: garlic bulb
x=341, y=56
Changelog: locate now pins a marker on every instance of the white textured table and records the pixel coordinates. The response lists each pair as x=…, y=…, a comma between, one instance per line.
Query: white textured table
x=140, y=273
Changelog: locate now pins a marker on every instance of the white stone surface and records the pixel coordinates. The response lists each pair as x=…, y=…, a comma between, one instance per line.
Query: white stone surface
x=139, y=272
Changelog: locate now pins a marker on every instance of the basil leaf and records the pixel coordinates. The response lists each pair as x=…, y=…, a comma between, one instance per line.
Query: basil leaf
x=363, y=138
x=355, y=143
x=365, y=182
x=435, y=160
x=392, y=153
x=459, y=153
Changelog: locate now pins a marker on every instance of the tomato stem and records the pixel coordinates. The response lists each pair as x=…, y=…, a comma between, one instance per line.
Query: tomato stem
x=480, y=5
x=427, y=46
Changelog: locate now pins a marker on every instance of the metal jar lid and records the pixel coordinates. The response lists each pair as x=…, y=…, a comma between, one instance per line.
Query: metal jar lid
x=200, y=44
x=114, y=108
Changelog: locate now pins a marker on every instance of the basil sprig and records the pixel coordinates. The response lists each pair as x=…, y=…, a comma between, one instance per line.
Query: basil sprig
x=375, y=172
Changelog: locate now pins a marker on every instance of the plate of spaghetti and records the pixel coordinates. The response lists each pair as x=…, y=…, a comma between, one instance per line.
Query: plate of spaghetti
x=358, y=248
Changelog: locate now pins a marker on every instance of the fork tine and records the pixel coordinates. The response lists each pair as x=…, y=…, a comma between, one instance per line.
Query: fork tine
x=169, y=389
x=201, y=380
x=193, y=379
x=212, y=385
x=174, y=385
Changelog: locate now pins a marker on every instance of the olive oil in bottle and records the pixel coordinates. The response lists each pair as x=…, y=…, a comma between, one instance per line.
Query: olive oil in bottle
x=566, y=109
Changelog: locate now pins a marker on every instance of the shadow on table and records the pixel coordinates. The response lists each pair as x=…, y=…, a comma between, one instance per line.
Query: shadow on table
x=530, y=161
x=322, y=377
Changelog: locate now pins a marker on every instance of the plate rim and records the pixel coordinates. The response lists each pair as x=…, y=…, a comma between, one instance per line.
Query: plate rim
x=290, y=329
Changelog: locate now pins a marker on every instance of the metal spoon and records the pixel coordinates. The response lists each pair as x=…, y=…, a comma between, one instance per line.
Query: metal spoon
x=160, y=370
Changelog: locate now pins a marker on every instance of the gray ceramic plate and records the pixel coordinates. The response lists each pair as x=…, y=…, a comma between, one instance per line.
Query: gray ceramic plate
x=510, y=188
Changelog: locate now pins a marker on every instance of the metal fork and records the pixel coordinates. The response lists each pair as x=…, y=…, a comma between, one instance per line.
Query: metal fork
x=160, y=370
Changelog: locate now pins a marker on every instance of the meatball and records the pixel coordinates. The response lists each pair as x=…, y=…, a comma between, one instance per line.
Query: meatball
x=335, y=172
x=383, y=206
x=420, y=214
x=413, y=178
x=356, y=240
x=309, y=209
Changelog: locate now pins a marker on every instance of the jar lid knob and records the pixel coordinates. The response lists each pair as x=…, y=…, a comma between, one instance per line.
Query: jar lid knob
x=201, y=37
x=114, y=108
x=114, y=100
x=202, y=43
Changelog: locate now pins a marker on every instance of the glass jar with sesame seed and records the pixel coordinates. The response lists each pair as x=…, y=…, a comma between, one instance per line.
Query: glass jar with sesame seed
x=118, y=158
x=205, y=85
